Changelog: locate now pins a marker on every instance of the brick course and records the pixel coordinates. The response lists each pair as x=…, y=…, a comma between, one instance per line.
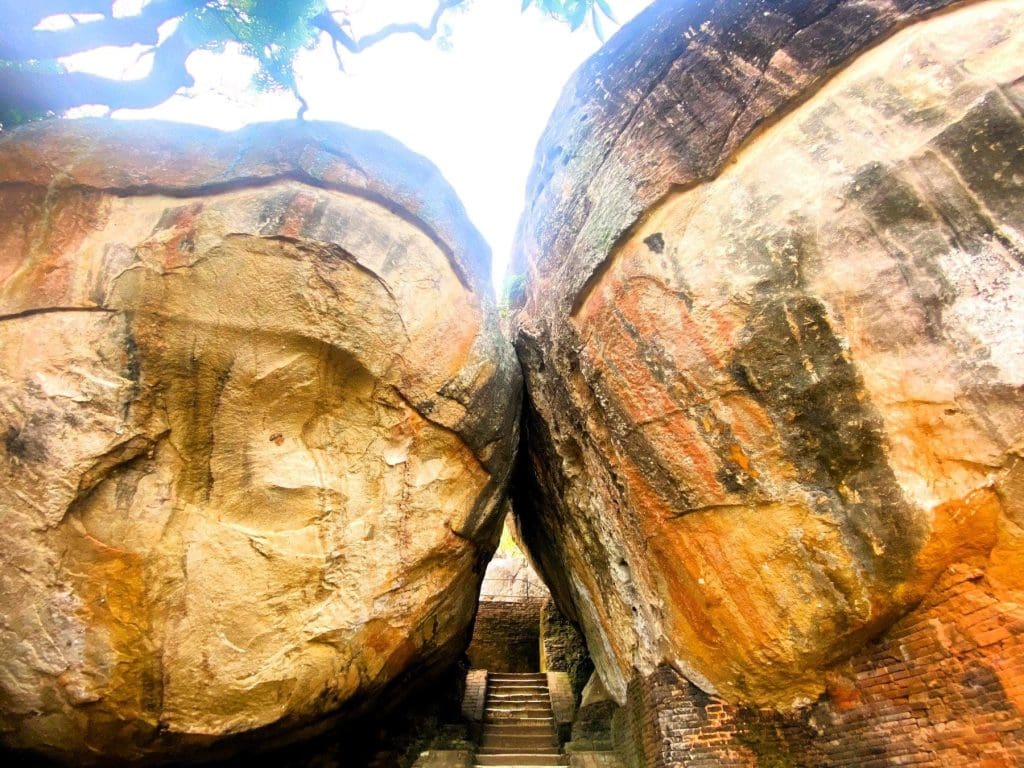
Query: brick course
x=506, y=636
x=943, y=687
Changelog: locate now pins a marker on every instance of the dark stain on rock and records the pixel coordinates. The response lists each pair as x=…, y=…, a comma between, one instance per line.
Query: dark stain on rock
x=793, y=364
x=887, y=199
x=908, y=226
x=634, y=443
x=21, y=446
x=778, y=258
x=690, y=399
x=733, y=480
x=197, y=393
x=169, y=218
x=132, y=368
x=655, y=242
x=985, y=148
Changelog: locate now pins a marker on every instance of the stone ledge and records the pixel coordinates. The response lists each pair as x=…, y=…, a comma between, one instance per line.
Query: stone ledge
x=563, y=703
x=595, y=760
x=476, y=695
x=448, y=758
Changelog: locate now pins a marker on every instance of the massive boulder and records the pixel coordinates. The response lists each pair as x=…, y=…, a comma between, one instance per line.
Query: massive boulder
x=772, y=332
x=257, y=420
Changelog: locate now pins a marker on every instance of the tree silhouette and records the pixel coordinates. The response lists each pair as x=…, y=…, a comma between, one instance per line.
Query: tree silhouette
x=34, y=84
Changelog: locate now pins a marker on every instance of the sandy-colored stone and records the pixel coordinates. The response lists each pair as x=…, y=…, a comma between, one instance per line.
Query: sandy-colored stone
x=776, y=377
x=257, y=419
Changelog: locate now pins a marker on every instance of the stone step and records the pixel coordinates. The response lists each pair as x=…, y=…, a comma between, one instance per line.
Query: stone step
x=517, y=675
x=503, y=713
x=546, y=722
x=513, y=704
x=515, y=759
x=521, y=689
x=515, y=728
x=519, y=727
x=518, y=742
x=517, y=684
x=514, y=711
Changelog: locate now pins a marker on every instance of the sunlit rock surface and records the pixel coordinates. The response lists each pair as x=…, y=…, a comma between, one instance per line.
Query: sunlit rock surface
x=772, y=332
x=257, y=417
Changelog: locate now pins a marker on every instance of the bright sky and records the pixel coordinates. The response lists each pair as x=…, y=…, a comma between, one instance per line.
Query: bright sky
x=476, y=110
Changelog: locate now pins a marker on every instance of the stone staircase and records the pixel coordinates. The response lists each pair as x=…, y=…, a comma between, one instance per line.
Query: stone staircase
x=518, y=726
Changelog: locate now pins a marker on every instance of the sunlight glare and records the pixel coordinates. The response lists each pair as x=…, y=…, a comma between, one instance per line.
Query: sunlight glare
x=476, y=110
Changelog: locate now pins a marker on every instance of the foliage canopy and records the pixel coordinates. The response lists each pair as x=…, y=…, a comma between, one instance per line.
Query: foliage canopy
x=34, y=84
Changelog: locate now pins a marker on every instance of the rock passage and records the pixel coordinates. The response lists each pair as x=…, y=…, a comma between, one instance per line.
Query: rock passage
x=258, y=412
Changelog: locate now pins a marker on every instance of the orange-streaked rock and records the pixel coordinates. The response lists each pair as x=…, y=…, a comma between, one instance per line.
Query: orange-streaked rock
x=257, y=420
x=776, y=379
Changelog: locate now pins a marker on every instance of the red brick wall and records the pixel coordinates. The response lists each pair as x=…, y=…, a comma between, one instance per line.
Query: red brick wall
x=506, y=636
x=943, y=687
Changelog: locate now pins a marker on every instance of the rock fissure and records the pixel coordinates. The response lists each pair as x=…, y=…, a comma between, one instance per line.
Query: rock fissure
x=258, y=413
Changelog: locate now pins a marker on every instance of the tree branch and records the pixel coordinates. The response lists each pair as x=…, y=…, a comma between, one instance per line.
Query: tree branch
x=327, y=23
x=303, y=105
x=29, y=90
x=127, y=30
x=30, y=14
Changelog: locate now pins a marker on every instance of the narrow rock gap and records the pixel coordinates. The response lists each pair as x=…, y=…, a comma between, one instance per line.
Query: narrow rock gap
x=529, y=670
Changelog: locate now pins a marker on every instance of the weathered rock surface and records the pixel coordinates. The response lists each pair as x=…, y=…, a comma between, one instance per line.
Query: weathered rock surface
x=257, y=419
x=772, y=332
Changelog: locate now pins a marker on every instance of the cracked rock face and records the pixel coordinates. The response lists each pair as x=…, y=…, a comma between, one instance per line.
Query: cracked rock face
x=776, y=376
x=256, y=419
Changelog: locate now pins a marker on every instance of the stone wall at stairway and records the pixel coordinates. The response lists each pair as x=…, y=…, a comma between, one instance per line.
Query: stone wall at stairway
x=944, y=687
x=563, y=649
x=506, y=636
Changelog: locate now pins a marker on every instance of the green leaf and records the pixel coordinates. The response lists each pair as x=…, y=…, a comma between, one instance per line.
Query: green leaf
x=598, y=29
x=577, y=15
x=607, y=11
